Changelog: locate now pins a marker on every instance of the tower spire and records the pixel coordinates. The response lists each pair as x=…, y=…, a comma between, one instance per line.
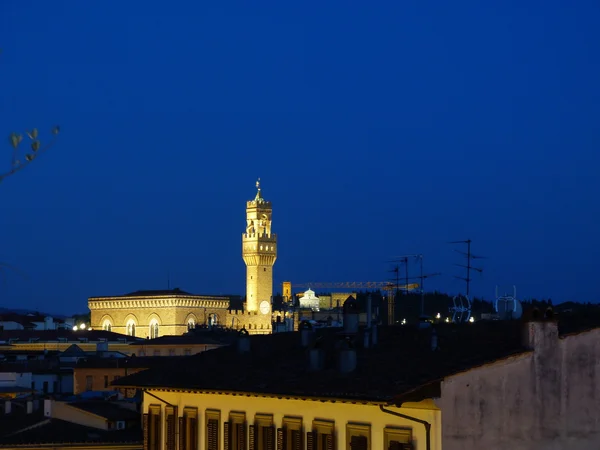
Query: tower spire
x=258, y=193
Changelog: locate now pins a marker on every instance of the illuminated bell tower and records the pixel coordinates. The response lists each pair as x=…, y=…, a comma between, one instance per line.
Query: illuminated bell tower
x=259, y=250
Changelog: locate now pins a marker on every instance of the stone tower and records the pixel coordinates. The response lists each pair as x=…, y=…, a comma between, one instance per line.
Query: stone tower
x=259, y=250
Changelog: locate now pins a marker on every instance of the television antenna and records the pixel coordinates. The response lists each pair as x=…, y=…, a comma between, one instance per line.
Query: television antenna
x=421, y=277
x=461, y=304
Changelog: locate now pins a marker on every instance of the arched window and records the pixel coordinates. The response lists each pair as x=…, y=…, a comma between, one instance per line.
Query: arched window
x=131, y=328
x=213, y=320
x=106, y=326
x=153, y=329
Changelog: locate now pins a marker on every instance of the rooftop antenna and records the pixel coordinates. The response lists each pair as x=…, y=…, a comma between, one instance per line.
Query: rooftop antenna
x=469, y=267
x=421, y=277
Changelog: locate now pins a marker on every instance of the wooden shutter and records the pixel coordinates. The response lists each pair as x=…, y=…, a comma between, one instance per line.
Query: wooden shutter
x=359, y=443
x=269, y=438
x=252, y=437
x=213, y=434
x=329, y=442
x=227, y=436
x=310, y=440
x=297, y=440
x=193, y=434
x=240, y=435
x=182, y=431
x=146, y=430
x=155, y=437
x=171, y=423
x=397, y=445
x=282, y=438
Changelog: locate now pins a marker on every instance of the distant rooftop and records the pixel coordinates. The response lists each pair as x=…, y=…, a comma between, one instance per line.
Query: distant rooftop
x=278, y=364
x=49, y=432
x=106, y=410
x=64, y=334
x=162, y=293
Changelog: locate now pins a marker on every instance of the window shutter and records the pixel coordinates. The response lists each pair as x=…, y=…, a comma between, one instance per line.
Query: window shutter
x=397, y=445
x=358, y=443
x=329, y=442
x=241, y=436
x=146, y=430
x=281, y=438
x=297, y=440
x=269, y=438
x=252, y=437
x=155, y=439
x=171, y=421
x=213, y=434
x=182, y=433
x=310, y=440
x=226, y=436
x=193, y=442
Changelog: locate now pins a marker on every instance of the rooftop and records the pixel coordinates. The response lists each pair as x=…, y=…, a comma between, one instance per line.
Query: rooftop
x=161, y=293
x=56, y=431
x=107, y=410
x=63, y=335
x=198, y=336
x=401, y=361
x=133, y=362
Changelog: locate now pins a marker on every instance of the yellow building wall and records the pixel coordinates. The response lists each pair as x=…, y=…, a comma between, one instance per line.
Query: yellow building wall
x=61, y=410
x=341, y=413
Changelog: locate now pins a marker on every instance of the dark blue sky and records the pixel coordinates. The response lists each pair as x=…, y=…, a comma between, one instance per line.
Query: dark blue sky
x=377, y=128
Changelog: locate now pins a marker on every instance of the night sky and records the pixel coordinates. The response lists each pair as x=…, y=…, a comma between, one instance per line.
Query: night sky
x=377, y=128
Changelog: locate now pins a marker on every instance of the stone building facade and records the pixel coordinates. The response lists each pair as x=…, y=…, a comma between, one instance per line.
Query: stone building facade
x=151, y=314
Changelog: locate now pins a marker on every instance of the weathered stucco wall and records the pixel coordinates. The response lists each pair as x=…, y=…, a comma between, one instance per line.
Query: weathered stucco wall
x=546, y=399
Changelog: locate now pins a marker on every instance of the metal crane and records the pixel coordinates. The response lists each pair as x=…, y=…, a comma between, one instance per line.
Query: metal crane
x=359, y=285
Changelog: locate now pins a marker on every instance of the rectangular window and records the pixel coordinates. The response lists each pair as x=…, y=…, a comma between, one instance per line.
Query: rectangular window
x=262, y=433
x=171, y=424
x=105, y=381
x=322, y=436
x=152, y=424
x=187, y=352
x=156, y=353
x=358, y=436
x=188, y=429
x=235, y=432
x=172, y=352
x=89, y=382
x=213, y=426
x=397, y=438
x=289, y=436
x=45, y=387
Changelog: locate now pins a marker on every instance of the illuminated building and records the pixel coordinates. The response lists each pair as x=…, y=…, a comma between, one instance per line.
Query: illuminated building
x=151, y=314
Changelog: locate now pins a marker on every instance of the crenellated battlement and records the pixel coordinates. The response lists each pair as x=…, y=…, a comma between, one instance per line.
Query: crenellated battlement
x=264, y=237
x=241, y=312
x=258, y=204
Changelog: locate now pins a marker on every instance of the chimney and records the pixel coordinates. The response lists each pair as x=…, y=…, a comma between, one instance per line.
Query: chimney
x=7, y=407
x=374, y=335
x=29, y=406
x=316, y=358
x=367, y=338
x=351, y=315
x=369, y=311
x=243, y=341
x=540, y=334
x=346, y=358
x=434, y=340
x=306, y=333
